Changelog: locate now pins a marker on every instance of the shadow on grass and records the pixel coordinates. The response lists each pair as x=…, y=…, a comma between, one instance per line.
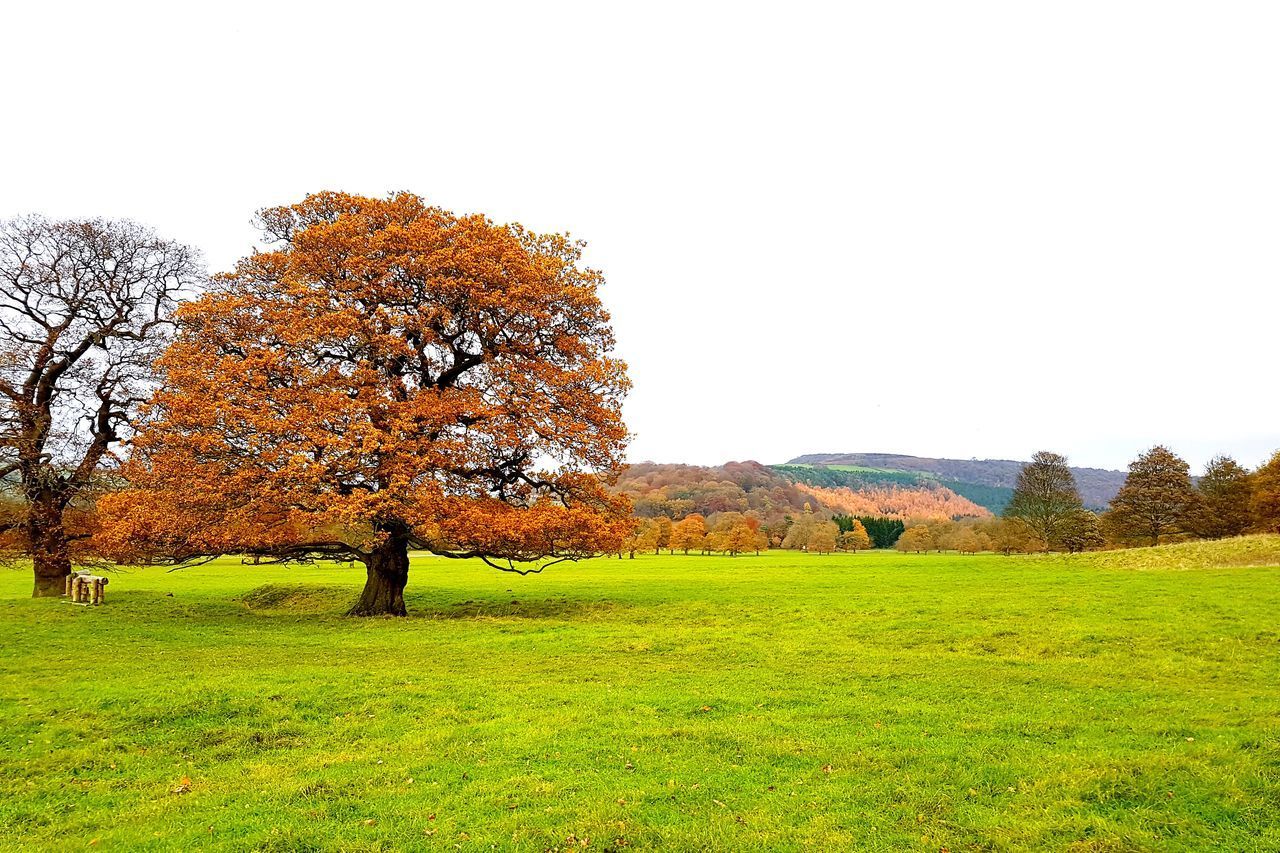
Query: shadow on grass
x=272, y=599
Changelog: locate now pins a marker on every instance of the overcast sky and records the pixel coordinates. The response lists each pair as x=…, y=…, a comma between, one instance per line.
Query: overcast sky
x=949, y=229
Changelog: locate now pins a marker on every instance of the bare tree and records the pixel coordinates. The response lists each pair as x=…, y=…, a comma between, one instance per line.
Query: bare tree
x=84, y=309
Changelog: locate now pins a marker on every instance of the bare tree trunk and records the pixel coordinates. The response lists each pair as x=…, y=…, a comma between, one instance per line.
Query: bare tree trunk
x=388, y=573
x=48, y=540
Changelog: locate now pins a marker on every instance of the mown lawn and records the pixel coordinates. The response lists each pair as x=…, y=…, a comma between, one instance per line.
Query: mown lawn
x=872, y=701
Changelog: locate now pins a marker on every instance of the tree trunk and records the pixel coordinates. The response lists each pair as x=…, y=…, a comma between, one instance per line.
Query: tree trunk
x=49, y=553
x=388, y=572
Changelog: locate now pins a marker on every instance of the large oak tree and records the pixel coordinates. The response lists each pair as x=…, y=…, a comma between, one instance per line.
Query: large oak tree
x=386, y=376
x=84, y=309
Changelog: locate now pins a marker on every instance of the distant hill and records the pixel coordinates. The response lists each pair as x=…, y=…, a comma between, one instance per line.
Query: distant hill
x=987, y=482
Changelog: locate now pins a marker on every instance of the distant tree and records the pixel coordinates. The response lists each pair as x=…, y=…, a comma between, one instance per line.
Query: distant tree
x=824, y=537
x=643, y=537
x=1045, y=498
x=1156, y=501
x=1226, y=499
x=730, y=533
x=884, y=532
x=916, y=538
x=801, y=530
x=688, y=533
x=1082, y=532
x=739, y=538
x=966, y=541
x=1266, y=495
x=776, y=531
x=664, y=532
x=1011, y=536
x=944, y=534
x=85, y=307
x=855, y=538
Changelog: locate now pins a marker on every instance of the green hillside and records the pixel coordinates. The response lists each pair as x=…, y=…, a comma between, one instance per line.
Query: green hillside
x=1097, y=486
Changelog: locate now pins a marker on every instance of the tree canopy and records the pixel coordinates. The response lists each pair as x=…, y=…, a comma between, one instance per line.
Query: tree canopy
x=1266, y=495
x=1046, y=499
x=1226, y=492
x=386, y=375
x=1156, y=501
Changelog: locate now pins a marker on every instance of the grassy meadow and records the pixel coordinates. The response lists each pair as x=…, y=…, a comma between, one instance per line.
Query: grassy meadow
x=871, y=701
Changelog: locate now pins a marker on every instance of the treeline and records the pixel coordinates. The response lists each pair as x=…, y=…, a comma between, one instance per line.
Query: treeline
x=676, y=491
x=735, y=533
x=1158, y=503
x=745, y=506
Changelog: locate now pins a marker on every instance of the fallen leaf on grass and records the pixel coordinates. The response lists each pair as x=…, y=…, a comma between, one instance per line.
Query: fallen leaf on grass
x=369, y=822
x=184, y=785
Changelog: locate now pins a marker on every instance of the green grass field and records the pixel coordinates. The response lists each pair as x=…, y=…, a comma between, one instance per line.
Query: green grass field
x=871, y=701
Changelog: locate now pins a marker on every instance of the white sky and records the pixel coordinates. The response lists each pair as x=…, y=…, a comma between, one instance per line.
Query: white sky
x=960, y=229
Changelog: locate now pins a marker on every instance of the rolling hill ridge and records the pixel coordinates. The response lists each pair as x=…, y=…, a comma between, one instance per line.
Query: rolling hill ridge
x=987, y=482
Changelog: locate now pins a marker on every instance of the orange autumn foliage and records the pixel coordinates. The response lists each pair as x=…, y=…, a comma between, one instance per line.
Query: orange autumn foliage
x=388, y=375
x=893, y=502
